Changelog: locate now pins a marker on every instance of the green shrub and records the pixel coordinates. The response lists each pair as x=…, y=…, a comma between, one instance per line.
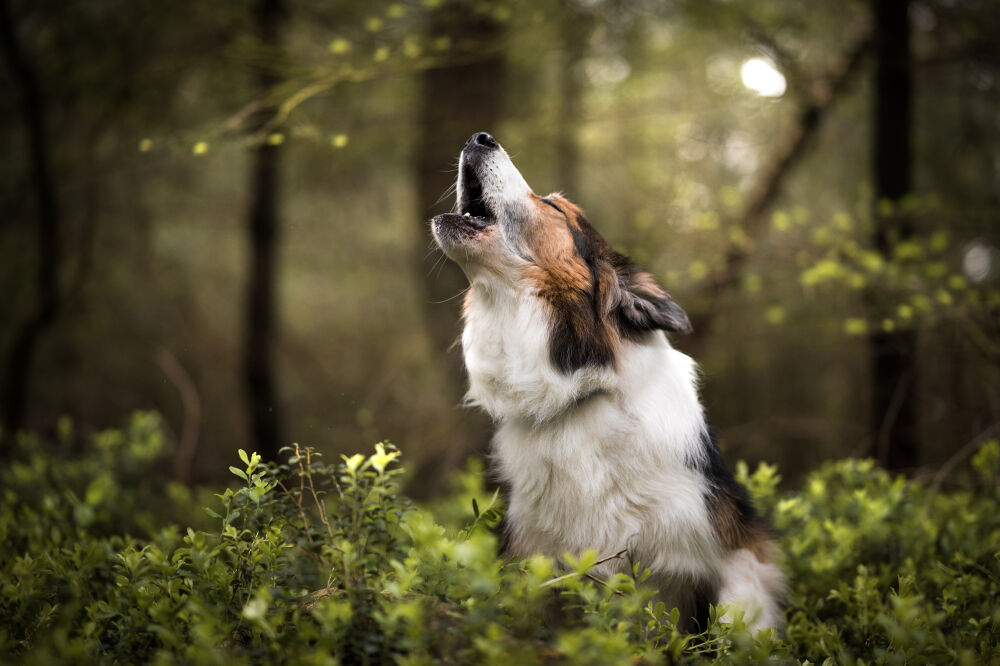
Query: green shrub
x=323, y=563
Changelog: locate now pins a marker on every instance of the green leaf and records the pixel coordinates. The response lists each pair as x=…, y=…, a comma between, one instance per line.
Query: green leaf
x=244, y=457
x=238, y=472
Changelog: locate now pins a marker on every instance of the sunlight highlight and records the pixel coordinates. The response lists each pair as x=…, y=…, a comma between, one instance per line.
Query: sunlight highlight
x=761, y=76
x=977, y=261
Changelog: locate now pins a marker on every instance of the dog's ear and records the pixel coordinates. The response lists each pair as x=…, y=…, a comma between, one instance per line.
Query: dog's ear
x=624, y=293
x=640, y=304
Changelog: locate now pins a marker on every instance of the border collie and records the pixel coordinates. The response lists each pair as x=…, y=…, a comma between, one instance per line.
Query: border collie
x=601, y=441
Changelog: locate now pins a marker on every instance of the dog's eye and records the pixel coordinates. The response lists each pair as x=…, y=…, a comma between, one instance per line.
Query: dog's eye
x=549, y=202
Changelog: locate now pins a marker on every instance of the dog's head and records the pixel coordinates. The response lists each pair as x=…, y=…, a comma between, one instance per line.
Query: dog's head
x=504, y=232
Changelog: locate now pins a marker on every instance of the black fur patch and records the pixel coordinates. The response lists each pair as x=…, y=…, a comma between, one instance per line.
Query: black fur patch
x=691, y=596
x=621, y=301
x=732, y=511
x=576, y=340
x=705, y=593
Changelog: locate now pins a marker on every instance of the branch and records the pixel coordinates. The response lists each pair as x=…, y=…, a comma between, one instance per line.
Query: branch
x=823, y=93
x=573, y=574
x=182, y=381
x=279, y=102
x=960, y=455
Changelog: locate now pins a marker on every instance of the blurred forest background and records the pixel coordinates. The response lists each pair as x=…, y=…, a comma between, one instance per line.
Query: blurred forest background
x=219, y=210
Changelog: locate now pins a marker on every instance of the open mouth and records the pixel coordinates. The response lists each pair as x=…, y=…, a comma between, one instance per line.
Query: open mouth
x=473, y=203
x=473, y=214
x=472, y=206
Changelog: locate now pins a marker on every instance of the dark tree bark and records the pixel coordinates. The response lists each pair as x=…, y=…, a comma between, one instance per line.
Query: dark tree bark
x=456, y=101
x=575, y=32
x=893, y=354
x=263, y=226
x=23, y=348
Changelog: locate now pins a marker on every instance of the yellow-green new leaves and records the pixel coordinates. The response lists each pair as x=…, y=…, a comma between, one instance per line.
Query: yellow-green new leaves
x=381, y=458
x=378, y=461
x=353, y=463
x=986, y=462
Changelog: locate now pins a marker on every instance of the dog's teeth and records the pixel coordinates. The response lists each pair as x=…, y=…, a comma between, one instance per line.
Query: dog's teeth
x=468, y=214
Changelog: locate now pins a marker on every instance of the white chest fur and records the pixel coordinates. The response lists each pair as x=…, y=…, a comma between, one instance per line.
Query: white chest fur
x=601, y=458
x=505, y=343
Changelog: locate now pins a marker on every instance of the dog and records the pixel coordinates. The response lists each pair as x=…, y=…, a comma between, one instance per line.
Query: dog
x=601, y=440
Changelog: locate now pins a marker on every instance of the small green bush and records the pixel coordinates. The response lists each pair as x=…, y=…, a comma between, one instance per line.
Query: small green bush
x=310, y=562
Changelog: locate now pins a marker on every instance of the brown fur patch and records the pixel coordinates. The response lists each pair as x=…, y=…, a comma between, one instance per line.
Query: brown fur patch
x=735, y=531
x=572, y=286
x=598, y=296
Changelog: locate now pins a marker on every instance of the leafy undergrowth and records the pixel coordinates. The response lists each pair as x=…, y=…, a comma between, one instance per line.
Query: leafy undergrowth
x=313, y=562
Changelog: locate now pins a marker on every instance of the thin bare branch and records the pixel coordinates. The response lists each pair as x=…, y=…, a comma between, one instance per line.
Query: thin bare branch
x=573, y=574
x=822, y=95
x=191, y=402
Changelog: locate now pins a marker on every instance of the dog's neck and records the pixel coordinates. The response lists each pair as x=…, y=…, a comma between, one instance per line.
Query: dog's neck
x=506, y=344
x=506, y=347
x=511, y=376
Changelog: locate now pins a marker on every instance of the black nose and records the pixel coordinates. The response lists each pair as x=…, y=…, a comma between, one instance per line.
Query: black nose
x=482, y=139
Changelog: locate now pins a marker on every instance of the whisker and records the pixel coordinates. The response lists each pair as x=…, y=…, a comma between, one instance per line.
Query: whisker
x=437, y=259
x=447, y=193
x=438, y=266
x=451, y=298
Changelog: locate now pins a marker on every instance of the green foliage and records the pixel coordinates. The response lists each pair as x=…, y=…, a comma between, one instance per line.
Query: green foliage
x=915, y=281
x=315, y=562
x=891, y=571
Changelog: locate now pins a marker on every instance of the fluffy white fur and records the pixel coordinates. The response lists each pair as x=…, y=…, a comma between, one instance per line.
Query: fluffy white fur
x=751, y=586
x=611, y=471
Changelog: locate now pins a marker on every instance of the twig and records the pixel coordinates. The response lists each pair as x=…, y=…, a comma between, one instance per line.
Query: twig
x=312, y=488
x=616, y=556
x=298, y=504
x=302, y=479
x=960, y=455
x=282, y=104
x=603, y=583
x=979, y=338
x=573, y=574
x=191, y=402
x=889, y=419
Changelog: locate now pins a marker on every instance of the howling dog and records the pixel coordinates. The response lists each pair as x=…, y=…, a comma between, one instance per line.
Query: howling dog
x=601, y=441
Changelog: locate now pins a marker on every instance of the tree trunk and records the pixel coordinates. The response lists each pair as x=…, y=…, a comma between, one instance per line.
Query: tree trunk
x=22, y=351
x=893, y=354
x=261, y=322
x=456, y=101
x=574, y=32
